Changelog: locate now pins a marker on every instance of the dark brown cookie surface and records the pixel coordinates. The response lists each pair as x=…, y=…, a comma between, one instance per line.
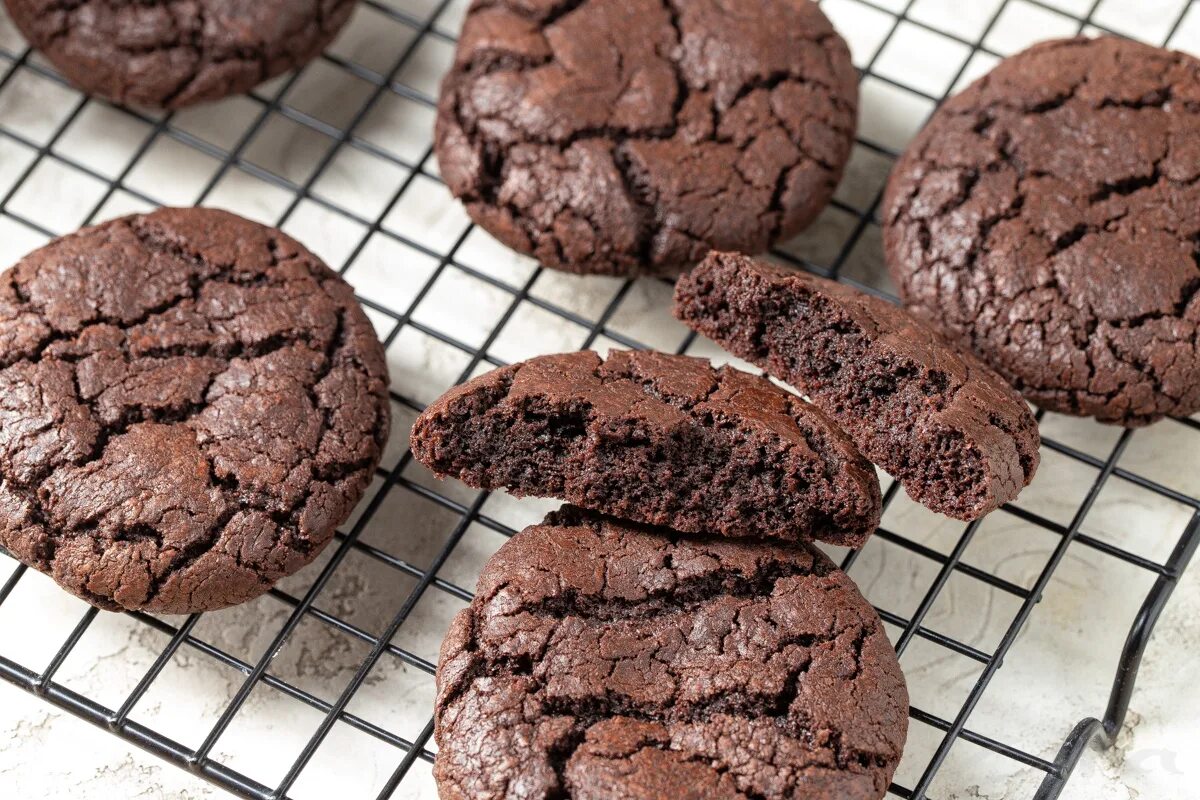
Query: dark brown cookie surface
x=1046, y=217
x=175, y=53
x=956, y=436
x=190, y=403
x=601, y=659
x=629, y=136
x=661, y=439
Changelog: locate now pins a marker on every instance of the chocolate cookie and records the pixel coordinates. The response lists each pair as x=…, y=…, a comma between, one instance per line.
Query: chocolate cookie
x=1047, y=217
x=620, y=137
x=190, y=403
x=175, y=53
x=661, y=439
x=601, y=659
x=956, y=436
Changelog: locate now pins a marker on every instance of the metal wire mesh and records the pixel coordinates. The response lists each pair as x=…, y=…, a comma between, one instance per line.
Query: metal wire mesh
x=379, y=198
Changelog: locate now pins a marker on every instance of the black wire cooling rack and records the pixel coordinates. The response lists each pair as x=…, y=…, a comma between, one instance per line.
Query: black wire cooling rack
x=385, y=75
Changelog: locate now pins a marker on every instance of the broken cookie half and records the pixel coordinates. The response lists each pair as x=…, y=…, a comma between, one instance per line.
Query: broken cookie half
x=660, y=439
x=959, y=439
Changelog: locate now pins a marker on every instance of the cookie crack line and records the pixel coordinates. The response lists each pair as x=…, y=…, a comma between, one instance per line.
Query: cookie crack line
x=1159, y=99
x=986, y=118
x=593, y=712
x=618, y=135
x=1122, y=187
x=687, y=595
x=588, y=712
x=220, y=274
x=599, y=707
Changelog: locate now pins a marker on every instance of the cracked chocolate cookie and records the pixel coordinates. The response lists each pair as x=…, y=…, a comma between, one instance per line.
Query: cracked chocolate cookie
x=1046, y=217
x=176, y=53
x=621, y=137
x=661, y=439
x=601, y=659
x=190, y=403
x=957, y=437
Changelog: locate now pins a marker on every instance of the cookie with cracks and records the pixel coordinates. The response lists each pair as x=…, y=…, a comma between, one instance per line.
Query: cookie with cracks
x=946, y=426
x=624, y=137
x=1046, y=218
x=190, y=403
x=177, y=53
x=602, y=659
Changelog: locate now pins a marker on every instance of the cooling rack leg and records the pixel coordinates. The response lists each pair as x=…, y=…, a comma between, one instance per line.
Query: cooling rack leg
x=1104, y=732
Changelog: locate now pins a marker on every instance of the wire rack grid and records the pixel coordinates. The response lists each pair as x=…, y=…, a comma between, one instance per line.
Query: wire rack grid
x=339, y=153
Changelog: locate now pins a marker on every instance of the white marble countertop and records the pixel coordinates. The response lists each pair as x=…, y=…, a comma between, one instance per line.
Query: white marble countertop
x=1058, y=672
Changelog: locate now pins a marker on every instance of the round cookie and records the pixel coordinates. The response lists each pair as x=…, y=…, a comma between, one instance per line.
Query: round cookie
x=176, y=53
x=1046, y=217
x=190, y=403
x=621, y=137
x=601, y=659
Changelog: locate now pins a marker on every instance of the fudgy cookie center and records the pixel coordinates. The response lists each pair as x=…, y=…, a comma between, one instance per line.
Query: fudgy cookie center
x=663, y=439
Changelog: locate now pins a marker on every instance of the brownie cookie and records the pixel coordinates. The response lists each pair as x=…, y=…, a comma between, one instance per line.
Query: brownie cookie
x=656, y=438
x=1047, y=218
x=956, y=436
x=175, y=53
x=620, y=137
x=601, y=659
x=190, y=403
